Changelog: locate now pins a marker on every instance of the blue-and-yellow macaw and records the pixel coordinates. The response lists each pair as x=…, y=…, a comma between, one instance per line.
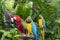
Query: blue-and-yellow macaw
x=28, y=25
x=31, y=27
x=42, y=25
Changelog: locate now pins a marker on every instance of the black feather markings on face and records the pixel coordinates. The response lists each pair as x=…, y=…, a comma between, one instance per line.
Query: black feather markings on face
x=28, y=20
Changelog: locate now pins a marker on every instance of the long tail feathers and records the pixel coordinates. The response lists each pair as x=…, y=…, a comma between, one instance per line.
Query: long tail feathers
x=36, y=37
x=43, y=36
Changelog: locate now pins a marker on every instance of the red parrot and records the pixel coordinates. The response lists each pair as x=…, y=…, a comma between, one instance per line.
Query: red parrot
x=18, y=23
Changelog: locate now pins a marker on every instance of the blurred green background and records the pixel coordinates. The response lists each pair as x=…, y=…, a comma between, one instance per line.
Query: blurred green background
x=50, y=9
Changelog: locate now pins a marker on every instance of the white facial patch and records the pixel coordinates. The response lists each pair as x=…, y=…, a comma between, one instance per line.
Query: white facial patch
x=14, y=18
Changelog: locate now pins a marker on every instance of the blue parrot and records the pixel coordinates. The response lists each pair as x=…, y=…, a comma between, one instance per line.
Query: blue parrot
x=32, y=28
x=42, y=25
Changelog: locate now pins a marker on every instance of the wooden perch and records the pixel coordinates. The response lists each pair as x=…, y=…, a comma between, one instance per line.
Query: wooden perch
x=25, y=36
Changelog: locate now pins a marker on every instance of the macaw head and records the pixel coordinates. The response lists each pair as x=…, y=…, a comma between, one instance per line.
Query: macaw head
x=40, y=16
x=13, y=19
x=29, y=20
x=16, y=18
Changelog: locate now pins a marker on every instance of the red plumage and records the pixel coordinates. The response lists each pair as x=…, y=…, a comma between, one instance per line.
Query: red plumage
x=18, y=23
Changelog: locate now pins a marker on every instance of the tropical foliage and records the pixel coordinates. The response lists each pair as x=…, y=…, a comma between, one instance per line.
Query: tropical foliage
x=50, y=9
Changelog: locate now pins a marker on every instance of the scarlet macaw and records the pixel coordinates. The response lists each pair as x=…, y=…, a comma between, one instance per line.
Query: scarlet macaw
x=31, y=27
x=19, y=23
x=42, y=25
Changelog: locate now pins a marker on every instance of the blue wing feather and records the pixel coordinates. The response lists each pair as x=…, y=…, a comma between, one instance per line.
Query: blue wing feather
x=44, y=24
x=24, y=26
x=34, y=30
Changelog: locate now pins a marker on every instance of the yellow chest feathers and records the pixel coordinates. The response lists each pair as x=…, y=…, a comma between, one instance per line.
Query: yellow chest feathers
x=40, y=22
x=29, y=27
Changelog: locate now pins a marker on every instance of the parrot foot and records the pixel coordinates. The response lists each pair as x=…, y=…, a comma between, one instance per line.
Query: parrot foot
x=30, y=35
x=22, y=34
